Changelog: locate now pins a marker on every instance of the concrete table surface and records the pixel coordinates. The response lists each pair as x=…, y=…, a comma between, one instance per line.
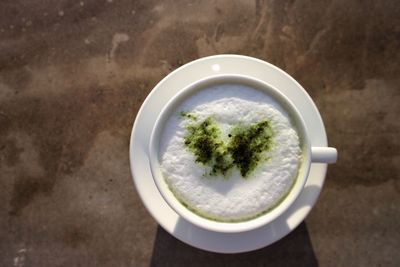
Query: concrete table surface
x=73, y=75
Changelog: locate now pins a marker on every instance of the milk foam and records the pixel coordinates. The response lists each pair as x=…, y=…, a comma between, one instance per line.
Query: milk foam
x=231, y=198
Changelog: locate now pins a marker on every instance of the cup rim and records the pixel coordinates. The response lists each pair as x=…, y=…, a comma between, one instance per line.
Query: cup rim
x=212, y=225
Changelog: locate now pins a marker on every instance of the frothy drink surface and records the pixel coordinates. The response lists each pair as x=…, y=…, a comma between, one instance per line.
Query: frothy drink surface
x=230, y=153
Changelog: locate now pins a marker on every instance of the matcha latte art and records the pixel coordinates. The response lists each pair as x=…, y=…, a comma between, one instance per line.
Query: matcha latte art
x=230, y=153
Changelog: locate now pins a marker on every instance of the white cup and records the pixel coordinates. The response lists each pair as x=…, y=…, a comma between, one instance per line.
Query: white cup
x=309, y=154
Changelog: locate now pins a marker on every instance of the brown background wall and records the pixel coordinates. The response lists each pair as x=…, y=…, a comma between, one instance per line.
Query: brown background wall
x=73, y=74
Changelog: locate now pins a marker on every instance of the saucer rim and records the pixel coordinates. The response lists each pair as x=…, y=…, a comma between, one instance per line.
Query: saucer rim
x=188, y=234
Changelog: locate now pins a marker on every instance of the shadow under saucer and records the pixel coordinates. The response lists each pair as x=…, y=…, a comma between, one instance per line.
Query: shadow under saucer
x=293, y=250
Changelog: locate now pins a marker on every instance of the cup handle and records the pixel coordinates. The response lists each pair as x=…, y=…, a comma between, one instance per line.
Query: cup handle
x=323, y=154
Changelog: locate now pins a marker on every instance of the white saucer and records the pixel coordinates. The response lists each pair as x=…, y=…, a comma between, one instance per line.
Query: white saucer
x=159, y=209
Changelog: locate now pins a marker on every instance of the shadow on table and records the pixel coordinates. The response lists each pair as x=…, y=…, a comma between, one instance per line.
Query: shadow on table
x=293, y=250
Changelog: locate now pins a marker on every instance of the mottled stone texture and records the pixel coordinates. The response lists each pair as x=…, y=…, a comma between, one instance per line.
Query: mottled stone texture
x=74, y=73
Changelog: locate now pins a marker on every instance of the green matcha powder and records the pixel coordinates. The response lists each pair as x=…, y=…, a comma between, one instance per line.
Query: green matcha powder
x=243, y=150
